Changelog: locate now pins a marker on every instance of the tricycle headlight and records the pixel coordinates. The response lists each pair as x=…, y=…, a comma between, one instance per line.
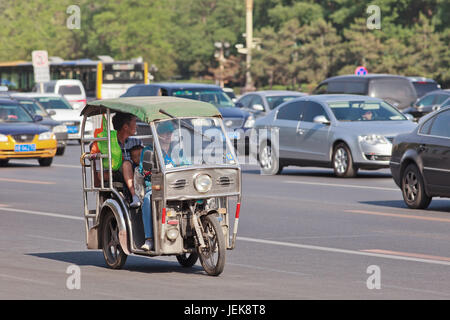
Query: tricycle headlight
x=46, y=136
x=203, y=183
x=59, y=129
x=373, y=139
x=3, y=138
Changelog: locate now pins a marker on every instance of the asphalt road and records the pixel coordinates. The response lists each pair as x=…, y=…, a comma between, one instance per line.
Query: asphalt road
x=302, y=235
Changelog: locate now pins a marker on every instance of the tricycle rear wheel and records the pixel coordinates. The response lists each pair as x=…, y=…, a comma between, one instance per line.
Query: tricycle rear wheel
x=112, y=251
x=212, y=257
x=186, y=260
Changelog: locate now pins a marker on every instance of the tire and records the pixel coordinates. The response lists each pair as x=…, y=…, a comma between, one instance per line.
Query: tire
x=3, y=162
x=45, y=162
x=343, y=161
x=60, y=151
x=215, y=246
x=187, y=261
x=114, y=256
x=268, y=160
x=413, y=188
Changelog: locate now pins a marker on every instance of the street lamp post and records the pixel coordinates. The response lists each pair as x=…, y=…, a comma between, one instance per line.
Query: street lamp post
x=249, y=43
x=220, y=56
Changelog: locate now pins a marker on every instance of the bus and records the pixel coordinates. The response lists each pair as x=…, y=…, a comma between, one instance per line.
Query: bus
x=101, y=79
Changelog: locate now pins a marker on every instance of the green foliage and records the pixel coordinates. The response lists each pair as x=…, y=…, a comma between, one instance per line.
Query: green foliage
x=303, y=41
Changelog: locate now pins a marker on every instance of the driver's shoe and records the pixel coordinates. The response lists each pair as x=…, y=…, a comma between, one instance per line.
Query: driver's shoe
x=136, y=203
x=148, y=245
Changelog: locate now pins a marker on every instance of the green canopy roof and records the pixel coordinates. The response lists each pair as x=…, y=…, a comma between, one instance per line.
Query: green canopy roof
x=147, y=108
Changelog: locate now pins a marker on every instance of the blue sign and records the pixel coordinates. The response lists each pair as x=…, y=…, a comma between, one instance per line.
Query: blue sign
x=361, y=71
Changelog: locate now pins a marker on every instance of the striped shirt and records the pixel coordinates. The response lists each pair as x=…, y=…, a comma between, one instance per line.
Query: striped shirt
x=129, y=144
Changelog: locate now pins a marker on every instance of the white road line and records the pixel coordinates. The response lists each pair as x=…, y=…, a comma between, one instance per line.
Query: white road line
x=52, y=239
x=270, y=242
x=341, y=185
x=40, y=213
x=336, y=250
x=24, y=279
x=66, y=166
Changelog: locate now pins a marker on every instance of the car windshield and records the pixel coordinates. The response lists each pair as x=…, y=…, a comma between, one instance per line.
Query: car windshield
x=33, y=108
x=275, y=101
x=193, y=141
x=216, y=97
x=69, y=90
x=365, y=111
x=54, y=103
x=13, y=113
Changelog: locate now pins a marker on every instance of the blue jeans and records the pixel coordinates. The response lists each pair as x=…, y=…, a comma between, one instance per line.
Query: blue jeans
x=147, y=215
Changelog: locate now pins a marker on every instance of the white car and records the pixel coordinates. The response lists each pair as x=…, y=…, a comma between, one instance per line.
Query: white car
x=72, y=90
x=61, y=110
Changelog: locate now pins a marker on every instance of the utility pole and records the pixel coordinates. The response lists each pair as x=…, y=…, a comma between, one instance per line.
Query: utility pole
x=249, y=43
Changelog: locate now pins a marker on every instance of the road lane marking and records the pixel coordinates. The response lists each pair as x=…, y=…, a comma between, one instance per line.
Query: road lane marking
x=342, y=185
x=336, y=250
x=25, y=279
x=40, y=213
x=26, y=181
x=270, y=242
x=395, y=215
x=52, y=239
x=66, y=166
x=408, y=254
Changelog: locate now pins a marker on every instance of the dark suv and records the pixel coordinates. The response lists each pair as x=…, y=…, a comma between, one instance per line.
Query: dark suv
x=396, y=90
x=234, y=118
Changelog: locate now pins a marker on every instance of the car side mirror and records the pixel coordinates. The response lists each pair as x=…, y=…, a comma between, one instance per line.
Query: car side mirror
x=321, y=119
x=258, y=107
x=38, y=118
x=239, y=105
x=148, y=162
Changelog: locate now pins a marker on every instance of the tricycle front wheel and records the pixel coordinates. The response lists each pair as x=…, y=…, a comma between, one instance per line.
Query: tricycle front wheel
x=187, y=260
x=212, y=256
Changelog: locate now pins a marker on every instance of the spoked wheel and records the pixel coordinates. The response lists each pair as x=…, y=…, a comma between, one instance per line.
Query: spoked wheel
x=268, y=160
x=343, y=161
x=112, y=251
x=212, y=257
x=413, y=188
x=187, y=260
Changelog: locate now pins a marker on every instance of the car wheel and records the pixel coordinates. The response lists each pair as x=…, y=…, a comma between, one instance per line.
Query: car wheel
x=60, y=151
x=413, y=188
x=343, y=161
x=45, y=162
x=3, y=162
x=268, y=160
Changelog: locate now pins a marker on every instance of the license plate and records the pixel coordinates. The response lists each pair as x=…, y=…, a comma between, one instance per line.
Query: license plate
x=25, y=147
x=233, y=135
x=72, y=129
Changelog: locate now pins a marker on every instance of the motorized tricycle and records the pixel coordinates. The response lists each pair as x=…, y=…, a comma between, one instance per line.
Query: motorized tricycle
x=191, y=194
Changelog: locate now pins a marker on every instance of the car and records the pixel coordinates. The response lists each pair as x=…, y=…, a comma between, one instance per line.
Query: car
x=430, y=102
x=420, y=162
x=343, y=132
x=230, y=93
x=63, y=112
x=396, y=90
x=22, y=136
x=236, y=121
x=57, y=127
x=259, y=103
x=424, y=85
x=71, y=89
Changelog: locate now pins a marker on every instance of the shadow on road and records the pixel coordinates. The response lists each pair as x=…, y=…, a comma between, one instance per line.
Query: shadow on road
x=133, y=263
x=436, y=205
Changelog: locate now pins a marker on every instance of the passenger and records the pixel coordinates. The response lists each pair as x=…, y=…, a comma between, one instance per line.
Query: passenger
x=368, y=115
x=125, y=124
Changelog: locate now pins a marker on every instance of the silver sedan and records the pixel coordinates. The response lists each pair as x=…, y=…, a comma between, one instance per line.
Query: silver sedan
x=343, y=132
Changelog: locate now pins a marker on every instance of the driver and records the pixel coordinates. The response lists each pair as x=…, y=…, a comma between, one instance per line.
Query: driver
x=368, y=115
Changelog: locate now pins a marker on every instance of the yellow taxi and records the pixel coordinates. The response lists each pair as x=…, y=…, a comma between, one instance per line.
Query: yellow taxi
x=22, y=137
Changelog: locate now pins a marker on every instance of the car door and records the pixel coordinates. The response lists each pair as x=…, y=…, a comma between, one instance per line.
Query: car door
x=435, y=153
x=287, y=120
x=313, y=138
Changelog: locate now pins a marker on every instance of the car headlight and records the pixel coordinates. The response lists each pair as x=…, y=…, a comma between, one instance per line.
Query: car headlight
x=373, y=139
x=250, y=122
x=203, y=183
x=3, y=138
x=46, y=136
x=60, y=128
